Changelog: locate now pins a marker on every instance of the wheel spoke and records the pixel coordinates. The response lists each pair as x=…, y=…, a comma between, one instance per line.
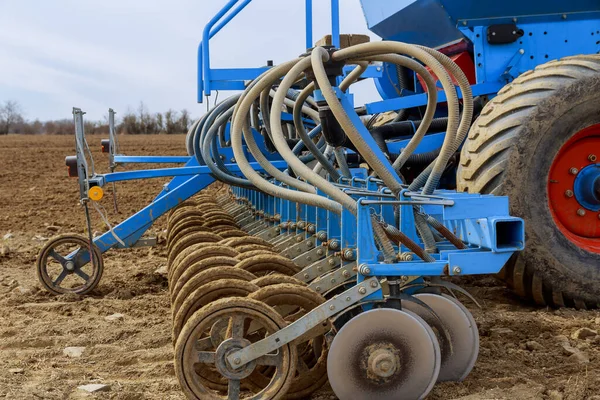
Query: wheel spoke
x=237, y=326
x=233, y=389
x=268, y=359
x=206, y=357
x=52, y=253
x=204, y=344
x=82, y=274
x=60, y=277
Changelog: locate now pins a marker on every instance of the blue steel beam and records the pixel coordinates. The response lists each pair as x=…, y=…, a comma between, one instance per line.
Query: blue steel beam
x=165, y=172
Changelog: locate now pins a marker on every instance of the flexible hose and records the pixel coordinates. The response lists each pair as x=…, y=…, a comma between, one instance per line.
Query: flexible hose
x=342, y=163
x=310, y=145
x=239, y=129
x=218, y=173
x=251, y=143
x=376, y=48
x=423, y=127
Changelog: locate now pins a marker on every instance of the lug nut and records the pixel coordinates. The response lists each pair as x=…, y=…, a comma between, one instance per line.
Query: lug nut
x=573, y=171
x=362, y=290
x=569, y=193
x=592, y=158
x=373, y=284
x=581, y=212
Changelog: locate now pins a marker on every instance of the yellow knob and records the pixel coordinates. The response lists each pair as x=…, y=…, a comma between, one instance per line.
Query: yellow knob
x=96, y=193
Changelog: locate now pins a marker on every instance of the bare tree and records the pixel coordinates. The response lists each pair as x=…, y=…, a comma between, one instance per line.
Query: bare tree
x=10, y=114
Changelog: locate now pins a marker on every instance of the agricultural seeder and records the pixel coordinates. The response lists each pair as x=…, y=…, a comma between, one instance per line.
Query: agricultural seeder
x=324, y=254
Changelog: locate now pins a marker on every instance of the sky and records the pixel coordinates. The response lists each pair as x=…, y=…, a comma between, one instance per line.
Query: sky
x=55, y=55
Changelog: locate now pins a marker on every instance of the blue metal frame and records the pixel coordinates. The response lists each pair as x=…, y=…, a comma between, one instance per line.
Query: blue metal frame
x=233, y=78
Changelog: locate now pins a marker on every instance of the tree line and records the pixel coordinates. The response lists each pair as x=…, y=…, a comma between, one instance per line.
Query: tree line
x=132, y=122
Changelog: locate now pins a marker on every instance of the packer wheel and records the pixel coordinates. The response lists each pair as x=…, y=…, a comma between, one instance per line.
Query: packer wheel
x=195, y=349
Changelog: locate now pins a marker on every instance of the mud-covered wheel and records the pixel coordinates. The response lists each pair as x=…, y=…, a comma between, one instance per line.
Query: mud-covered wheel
x=63, y=265
x=538, y=142
x=196, y=349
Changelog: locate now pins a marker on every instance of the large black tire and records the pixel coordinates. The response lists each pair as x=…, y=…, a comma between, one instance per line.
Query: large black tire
x=509, y=151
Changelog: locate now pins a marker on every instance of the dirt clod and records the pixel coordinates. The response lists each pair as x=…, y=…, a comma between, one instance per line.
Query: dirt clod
x=533, y=345
x=584, y=333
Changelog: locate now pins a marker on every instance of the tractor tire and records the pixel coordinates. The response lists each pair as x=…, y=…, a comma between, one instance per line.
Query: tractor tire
x=511, y=150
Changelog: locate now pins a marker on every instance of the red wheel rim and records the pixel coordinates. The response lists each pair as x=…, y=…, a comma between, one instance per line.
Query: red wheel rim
x=579, y=224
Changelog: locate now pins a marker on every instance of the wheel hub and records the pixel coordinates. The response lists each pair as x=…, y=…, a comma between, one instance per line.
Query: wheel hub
x=383, y=362
x=70, y=266
x=229, y=371
x=574, y=189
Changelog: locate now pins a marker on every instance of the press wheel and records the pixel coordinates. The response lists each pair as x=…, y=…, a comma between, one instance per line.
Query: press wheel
x=195, y=348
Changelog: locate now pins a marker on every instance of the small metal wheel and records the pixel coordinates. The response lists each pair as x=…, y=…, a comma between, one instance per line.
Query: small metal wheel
x=460, y=347
x=196, y=351
x=384, y=354
x=63, y=265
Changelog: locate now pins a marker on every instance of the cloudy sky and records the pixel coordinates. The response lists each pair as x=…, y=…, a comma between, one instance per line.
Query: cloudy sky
x=115, y=53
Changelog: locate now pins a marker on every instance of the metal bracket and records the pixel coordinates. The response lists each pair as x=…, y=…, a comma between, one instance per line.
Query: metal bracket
x=310, y=256
x=306, y=323
x=270, y=233
x=334, y=279
x=318, y=268
x=301, y=247
x=289, y=241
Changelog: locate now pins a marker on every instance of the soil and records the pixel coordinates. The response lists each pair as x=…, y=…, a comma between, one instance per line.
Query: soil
x=526, y=351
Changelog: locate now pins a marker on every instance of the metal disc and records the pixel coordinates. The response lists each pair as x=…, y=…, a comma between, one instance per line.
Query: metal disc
x=458, y=356
x=384, y=354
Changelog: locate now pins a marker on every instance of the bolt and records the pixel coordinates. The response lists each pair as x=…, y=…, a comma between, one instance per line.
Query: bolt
x=573, y=171
x=374, y=284
x=592, y=158
x=232, y=160
x=378, y=69
x=299, y=239
x=581, y=212
x=334, y=245
x=308, y=258
x=456, y=270
x=348, y=254
x=237, y=361
x=346, y=274
x=465, y=23
x=70, y=266
x=310, y=244
x=330, y=262
x=306, y=276
x=564, y=16
x=318, y=288
x=362, y=290
x=332, y=307
x=320, y=252
x=332, y=280
x=569, y=193
x=348, y=298
x=404, y=278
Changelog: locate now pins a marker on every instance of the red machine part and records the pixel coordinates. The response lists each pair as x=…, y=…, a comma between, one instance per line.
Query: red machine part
x=464, y=61
x=580, y=225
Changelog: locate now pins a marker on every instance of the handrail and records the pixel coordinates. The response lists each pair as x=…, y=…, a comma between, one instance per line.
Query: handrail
x=207, y=34
x=218, y=22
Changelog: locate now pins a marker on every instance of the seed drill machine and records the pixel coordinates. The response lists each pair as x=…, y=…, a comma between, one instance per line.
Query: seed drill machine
x=327, y=252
